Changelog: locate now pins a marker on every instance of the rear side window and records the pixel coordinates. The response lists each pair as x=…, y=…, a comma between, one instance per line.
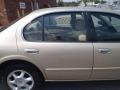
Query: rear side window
x=33, y=31
x=107, y=26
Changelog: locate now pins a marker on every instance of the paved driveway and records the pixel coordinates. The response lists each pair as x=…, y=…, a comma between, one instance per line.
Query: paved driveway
x=101, y=85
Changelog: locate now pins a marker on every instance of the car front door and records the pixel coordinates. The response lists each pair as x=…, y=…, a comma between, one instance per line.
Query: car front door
x=59, y=42
x=106, y=46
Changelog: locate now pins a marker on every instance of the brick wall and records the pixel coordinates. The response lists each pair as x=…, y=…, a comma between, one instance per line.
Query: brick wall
x=47, y=3
x=13, y=9
x=52, y=3
x=3, y=14
x=10, y=9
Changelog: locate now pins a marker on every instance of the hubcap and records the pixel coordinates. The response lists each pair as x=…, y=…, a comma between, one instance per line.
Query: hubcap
x=20, y=80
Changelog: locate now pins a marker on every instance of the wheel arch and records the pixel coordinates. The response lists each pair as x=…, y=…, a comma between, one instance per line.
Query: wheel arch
x=22, y=61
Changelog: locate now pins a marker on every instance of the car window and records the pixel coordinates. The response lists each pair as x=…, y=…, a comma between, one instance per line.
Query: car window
x=107, y=26
x=64, y=27
x=55, y=20
x=33, y=31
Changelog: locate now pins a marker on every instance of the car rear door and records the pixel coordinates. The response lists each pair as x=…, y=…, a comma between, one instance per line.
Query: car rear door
x=106, y=46
x=60, y=43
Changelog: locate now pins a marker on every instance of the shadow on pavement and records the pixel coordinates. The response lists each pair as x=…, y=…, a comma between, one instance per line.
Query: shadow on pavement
x=98, y=85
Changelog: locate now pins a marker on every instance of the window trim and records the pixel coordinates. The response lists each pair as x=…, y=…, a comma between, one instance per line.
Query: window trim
x=84, y=14
x=26, y=26
x=94, y=38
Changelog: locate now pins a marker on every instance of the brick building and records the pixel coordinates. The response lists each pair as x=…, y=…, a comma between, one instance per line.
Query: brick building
x=12, y=9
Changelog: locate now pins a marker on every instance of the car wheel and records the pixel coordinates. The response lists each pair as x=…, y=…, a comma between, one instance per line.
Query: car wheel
x=20, y=77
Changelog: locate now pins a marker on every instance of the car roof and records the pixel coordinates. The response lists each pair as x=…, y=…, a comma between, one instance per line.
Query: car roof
x=68, y=9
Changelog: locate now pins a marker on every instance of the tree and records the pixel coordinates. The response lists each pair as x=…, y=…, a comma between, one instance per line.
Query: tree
x=115, y=2
x=85, y=2
x=71, y=3
x=103, y=2
x=97, y=1
x=79, y=1
x=60, y=3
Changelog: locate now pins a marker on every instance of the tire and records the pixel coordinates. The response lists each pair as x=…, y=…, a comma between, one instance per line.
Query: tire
x=26, y=76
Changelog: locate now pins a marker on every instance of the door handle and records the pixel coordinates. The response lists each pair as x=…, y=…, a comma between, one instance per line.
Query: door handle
x=104, y=50
x=34, y=51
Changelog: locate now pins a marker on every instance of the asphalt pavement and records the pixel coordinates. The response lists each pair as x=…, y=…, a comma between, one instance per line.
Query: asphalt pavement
x=98, y=85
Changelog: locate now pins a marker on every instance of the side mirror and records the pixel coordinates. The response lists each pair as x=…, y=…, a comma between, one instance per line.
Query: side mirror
x=82, y=37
